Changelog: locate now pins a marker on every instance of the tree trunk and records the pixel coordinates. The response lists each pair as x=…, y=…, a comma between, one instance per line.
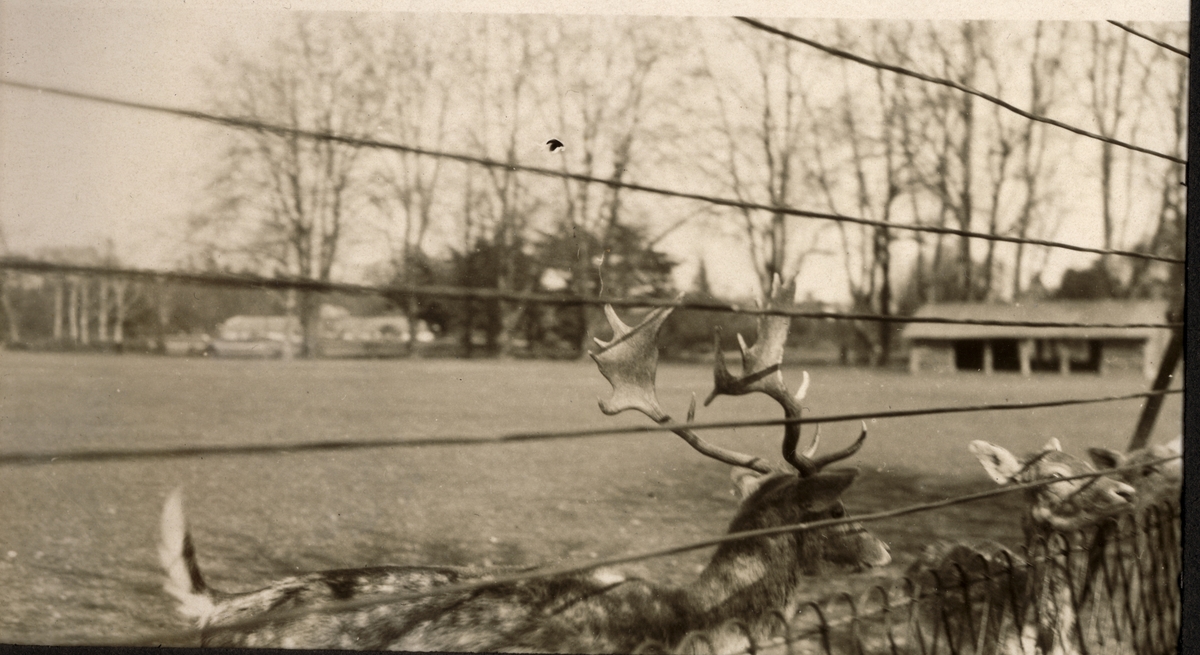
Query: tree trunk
x=58, y=308
x=585, y=337
x=1020, y=255
x=467, y=338
x=119, y=287
x=883, y=259
x=85, y=320
x=10, y=313
x=73, y=309
x=288, y=350
x=510, y=321
x=102, y=311
x=163, y=315
x=779, y=250
x=411, y=310
x=311, y=316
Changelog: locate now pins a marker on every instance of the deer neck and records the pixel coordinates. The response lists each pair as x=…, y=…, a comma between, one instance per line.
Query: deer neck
x=1050, y=587
x=746, y=580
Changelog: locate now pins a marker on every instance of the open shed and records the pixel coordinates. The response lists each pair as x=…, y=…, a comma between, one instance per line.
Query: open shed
x=1028, y=350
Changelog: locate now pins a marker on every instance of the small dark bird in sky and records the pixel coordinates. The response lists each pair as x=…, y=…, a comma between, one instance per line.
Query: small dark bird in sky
x=554, y=144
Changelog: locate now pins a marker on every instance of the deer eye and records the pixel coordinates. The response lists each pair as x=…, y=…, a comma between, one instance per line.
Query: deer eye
x=838, y=512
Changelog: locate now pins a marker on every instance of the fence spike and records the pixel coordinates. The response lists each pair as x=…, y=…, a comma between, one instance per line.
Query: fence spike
x=783, y=620
x=823, y=626
x=687, y=643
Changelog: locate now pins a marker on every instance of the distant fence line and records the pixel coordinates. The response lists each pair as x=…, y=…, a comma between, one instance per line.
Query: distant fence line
x=363, y=142
x=243, y=281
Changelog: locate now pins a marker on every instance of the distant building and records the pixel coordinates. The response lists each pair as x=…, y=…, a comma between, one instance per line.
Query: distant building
x=340, y=334
x=989, y=348
x=260, y=328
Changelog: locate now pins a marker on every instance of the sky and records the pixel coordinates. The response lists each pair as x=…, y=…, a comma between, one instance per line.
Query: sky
x=74, y=173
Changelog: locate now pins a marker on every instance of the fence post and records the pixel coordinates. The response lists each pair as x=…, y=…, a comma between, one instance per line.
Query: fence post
x=1166, y=370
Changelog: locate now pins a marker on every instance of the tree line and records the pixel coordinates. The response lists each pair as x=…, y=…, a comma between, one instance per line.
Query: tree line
x=707, y=106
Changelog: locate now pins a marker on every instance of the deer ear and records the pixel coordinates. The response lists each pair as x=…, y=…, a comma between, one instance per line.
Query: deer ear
x=1053, y=444
x=1000, y=464
x=1106, y=458
x=746, y=481
x=826, y=487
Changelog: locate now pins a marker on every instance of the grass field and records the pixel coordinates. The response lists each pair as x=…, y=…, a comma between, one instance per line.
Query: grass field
x=77, y=540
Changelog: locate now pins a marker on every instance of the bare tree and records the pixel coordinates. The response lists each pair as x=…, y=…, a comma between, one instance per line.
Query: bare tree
x=984, y=168
x=471, y=202
x=71, y=292
x=1032, y=172
x=1005, y=135
x=600, y=76
x=504, y=54
x=284, y=201
x=409, y=76
x=1106, y=76
x=1166, y=235
x=868, y=140
x=959, y=197
x=763, y=133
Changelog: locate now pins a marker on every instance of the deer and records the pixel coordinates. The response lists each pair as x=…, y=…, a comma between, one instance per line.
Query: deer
x=745, y=589
x=1157, y=473
x=1053, y=512
x=1010, y=602
x=1154, y=479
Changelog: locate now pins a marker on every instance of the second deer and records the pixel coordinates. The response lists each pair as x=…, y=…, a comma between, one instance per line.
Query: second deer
x=1156, y=480
x=742, y=594
x=1053, y=514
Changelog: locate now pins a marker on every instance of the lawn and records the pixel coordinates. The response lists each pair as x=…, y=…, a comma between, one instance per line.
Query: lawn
x=77, y=540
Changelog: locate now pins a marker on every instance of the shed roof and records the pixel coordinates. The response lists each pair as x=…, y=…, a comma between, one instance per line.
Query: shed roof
x=1060, y=311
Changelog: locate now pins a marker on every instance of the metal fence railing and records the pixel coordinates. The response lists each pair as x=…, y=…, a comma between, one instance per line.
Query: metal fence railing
x=1113, y=589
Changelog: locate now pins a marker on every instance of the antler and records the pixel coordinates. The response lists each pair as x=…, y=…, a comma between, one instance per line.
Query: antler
x=630, y=363
x=761, y=372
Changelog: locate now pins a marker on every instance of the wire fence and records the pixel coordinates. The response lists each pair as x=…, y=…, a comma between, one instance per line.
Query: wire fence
x=363, y=142
x=485, y=580
x=900, y=70
x=1162, y=44
x=1111, y=589
x=244, y=281
x=109, y=455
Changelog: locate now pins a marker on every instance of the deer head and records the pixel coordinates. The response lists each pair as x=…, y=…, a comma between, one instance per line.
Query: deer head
x=1153, y=479
x=1061, y=506
x=771, y=495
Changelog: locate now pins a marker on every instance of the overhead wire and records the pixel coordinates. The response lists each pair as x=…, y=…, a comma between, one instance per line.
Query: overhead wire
x=1157, y=42
x=958, y=86
x=254, y=124
x=460, y=293
x=134, y=454
x=479, y=293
